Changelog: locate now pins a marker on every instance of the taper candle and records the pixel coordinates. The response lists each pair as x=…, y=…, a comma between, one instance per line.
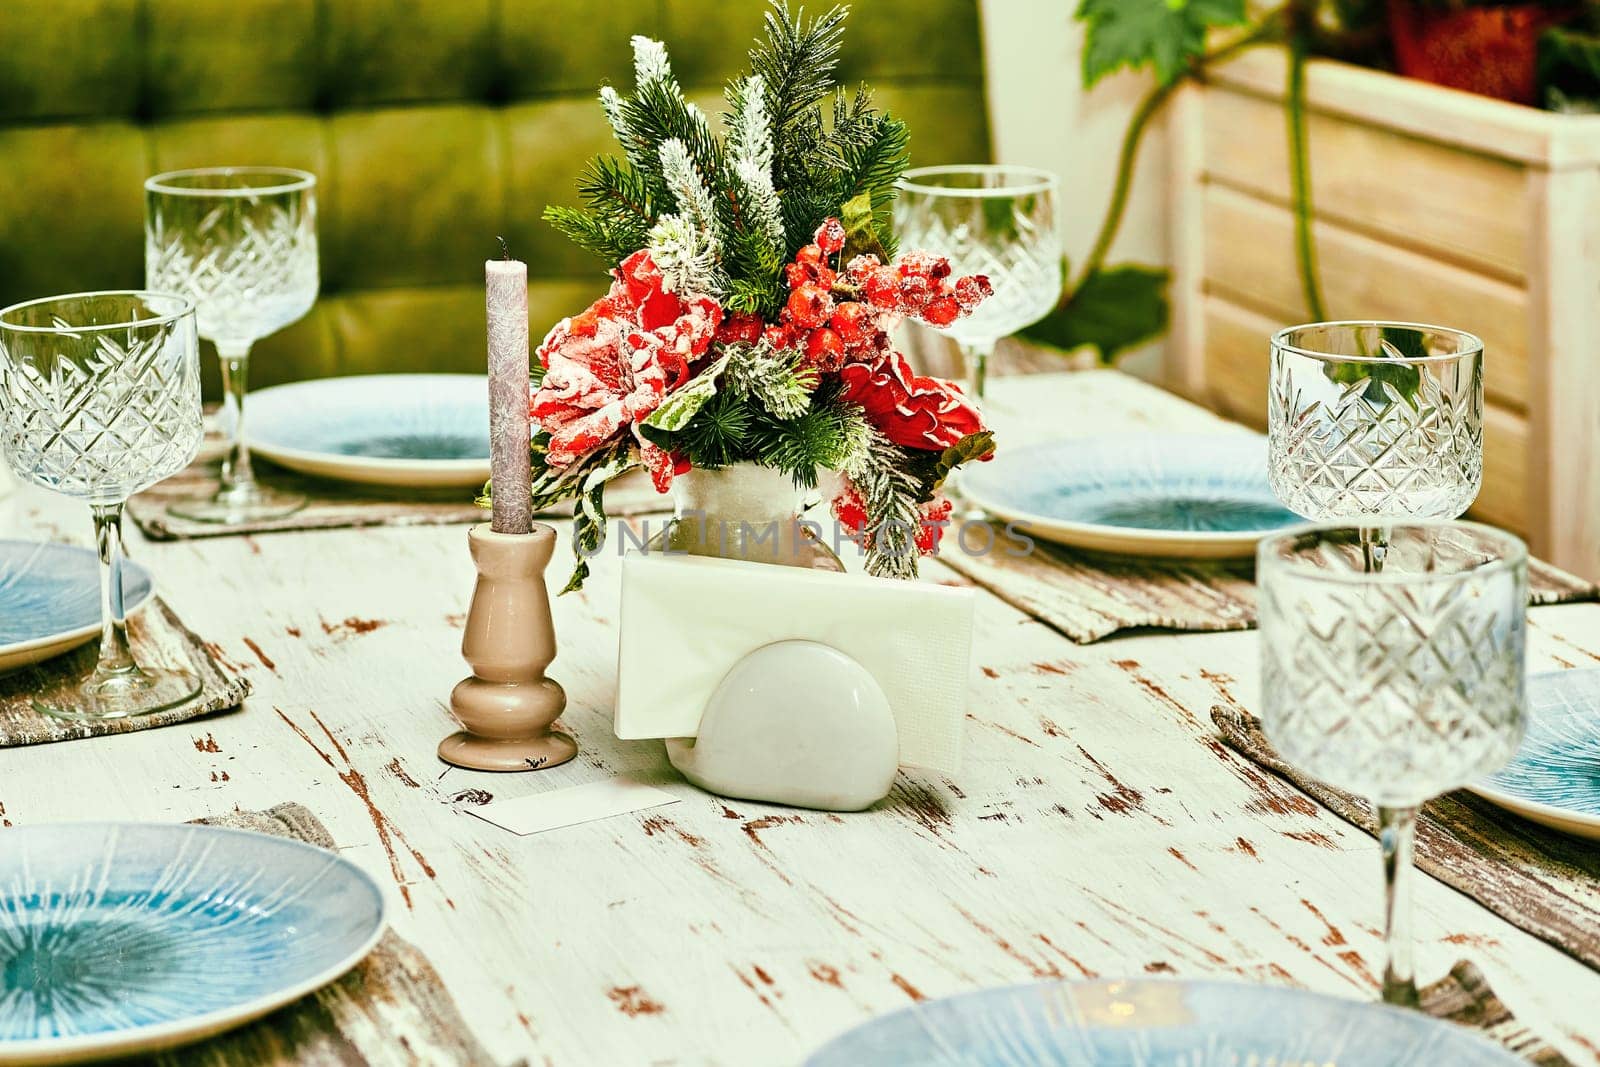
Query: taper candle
x=506, y=290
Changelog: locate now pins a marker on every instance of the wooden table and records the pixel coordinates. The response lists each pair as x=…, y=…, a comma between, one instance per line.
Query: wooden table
x=1096, y=829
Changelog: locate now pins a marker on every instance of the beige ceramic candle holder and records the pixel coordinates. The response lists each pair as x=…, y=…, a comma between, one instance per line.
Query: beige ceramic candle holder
x=508, y=706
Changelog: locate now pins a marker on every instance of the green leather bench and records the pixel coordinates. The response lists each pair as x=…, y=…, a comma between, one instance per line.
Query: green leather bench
x=433, y=125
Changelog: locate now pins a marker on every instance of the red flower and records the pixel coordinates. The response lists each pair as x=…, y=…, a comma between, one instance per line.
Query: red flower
x=912, y=411
x=611, y=366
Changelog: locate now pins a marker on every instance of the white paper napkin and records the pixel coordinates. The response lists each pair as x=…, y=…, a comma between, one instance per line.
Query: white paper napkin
x=686, y=620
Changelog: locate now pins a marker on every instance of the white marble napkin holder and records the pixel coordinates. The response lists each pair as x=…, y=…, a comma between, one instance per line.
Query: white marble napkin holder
x=788, y=685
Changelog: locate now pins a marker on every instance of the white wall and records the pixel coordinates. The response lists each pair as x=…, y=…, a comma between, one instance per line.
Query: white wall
x=1041, y=116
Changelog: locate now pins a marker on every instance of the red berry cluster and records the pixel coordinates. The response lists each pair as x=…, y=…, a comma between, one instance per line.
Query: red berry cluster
x=838, y=316
x=919, y=285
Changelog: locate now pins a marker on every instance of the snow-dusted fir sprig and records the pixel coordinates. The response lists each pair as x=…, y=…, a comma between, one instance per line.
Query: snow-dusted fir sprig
x=687, y=246
x=894, y=517
x=774, y=379
x=652, y=72
x=686, y=256
x=688, y=189
x=650, y=62
x=750, y=159
x=611, y=104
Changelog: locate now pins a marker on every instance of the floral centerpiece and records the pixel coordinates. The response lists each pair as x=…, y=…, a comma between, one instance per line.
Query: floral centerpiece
x=755, y=287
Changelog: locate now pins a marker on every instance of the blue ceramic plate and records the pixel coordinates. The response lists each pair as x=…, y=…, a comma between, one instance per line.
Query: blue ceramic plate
x=50, y=599
x=1195, y=496
x=1554, y=778
x=123, y=938
x=416, y=430
x=1152, y=1022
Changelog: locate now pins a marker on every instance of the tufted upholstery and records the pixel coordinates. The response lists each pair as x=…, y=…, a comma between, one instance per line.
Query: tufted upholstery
x=433, y=125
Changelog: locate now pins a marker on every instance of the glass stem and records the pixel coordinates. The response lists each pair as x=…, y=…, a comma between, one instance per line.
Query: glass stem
x=237, y=477
x=975, y=356
x=116, y=656
x=1374, y=548
x=1397, y=829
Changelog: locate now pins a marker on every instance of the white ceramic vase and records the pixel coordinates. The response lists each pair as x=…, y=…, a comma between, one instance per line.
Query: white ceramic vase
x=745, y=512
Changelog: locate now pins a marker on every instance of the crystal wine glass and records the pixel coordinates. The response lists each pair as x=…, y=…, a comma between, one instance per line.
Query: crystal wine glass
x=100, y=398
x=1370, y=422
x=242, y=243
x=1396, y=684
x=994, y=220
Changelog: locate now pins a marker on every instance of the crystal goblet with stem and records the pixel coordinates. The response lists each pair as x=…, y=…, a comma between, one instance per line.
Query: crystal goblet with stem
x=100, y=398
x=241, y=242
x=1396, y=684
x=1371, y=422
x=995, y=220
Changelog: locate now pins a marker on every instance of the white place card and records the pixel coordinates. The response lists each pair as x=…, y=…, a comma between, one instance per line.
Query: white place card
x=686, y=620
x=572, y=805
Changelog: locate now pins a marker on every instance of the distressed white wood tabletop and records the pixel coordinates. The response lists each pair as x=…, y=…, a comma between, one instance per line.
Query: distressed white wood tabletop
x=1097, y=828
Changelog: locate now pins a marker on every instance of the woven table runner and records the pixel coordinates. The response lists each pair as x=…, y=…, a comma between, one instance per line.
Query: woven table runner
x=391, y=1009
x=1464, y=996
x=1538, y=880
x=1087, y=597
x=337, y=505
x=159, y=639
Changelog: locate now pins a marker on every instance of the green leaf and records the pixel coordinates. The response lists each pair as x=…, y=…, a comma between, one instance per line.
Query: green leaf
x=971, y=447
x=859, y=233
x=1165, y=34
x=1569, y=70
x=1403, y=342
x=676, y=411
x=1114, y=309
x=589, y=517
x=1396, y=345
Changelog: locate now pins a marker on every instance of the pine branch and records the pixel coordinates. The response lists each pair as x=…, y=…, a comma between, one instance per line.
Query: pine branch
x=688, y=259
x=775, y=380
x=874, y=167
x=604, y=241
x=892, y=497
x=616, y=117
x=719, y=434
x=658, y=113
x=755, y=240
x=828, y=436
x=796, y=64
x=804, y=209
x=687, y=187
x=616, y=190
x=746, y=294
x=688, y=246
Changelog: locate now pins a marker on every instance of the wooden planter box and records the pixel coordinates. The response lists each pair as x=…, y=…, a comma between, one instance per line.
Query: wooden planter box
x=1432, y=205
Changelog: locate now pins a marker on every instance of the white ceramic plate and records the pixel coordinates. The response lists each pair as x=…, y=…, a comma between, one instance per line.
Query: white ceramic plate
x=1554, y=779
x=412, y=430
x=119, y=939
x=1144, y=1022
x=1188, y=496
x=50, y=599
